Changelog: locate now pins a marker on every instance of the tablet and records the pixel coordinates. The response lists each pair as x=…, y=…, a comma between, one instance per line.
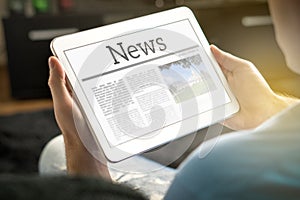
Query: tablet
x=144, y=82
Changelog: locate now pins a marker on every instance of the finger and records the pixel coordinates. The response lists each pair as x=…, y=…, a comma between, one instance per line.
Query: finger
x=57, y=81
x=226, y=60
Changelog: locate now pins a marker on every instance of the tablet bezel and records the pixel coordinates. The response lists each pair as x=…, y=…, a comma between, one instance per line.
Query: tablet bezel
x=60, y=44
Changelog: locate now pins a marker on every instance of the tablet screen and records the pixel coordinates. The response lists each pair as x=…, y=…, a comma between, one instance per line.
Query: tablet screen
x=141, y=81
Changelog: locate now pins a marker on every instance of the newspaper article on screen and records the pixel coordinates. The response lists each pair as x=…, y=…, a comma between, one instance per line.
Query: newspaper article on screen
x=131, y=78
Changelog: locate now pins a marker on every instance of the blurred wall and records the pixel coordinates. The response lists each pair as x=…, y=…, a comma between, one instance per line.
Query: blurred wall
x=221, y=21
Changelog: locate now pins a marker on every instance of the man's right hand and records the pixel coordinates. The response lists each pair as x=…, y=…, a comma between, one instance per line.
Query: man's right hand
x=257, y=100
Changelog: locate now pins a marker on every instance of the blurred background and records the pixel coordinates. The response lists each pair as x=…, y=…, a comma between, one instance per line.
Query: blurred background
x=242, y=27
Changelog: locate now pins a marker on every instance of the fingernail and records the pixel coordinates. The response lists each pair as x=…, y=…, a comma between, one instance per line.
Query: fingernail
x=50, y=63
x=215, y=46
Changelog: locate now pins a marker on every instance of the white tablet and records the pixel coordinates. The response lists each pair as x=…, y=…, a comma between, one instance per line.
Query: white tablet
x=145, y=82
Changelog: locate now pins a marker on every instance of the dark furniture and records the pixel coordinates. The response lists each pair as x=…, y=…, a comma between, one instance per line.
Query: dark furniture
x=28, y=48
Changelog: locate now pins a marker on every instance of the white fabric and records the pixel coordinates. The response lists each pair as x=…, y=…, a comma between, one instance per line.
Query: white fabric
x=141, y=174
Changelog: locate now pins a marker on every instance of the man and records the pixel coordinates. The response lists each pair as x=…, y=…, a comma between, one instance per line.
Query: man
x=259, y=163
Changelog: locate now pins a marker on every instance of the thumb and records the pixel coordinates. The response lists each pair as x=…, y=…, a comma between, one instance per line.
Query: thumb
x=57, y=81
x=226, y=60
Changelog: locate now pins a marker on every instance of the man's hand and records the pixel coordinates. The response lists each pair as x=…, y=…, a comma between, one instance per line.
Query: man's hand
x=257, y=100
x=70, y=121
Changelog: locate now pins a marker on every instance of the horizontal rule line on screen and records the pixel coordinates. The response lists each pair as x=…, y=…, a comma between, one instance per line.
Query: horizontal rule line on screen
x=139, y=63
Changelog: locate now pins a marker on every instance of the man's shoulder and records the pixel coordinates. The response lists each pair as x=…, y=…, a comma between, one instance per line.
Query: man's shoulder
x=246, y=161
